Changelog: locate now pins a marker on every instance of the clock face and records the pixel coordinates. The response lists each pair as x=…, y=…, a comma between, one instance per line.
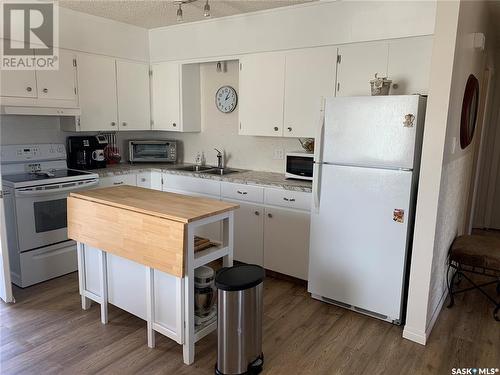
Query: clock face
x=226, y=99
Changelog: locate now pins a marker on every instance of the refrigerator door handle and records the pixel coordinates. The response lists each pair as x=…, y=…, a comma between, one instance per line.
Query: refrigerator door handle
x=318, y=158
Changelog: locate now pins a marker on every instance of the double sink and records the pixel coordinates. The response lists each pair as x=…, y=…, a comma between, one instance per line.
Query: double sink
x=208, y=170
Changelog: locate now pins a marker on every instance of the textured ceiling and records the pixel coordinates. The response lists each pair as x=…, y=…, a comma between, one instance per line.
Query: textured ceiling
x=157, y=13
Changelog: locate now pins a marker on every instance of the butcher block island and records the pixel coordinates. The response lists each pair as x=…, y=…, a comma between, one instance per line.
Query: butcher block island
x=136, y=250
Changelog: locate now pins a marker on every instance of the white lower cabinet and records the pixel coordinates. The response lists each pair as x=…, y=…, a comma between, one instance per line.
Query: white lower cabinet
x=249, y=234
x=156, y=180
x=125, y=179
x=286, y=241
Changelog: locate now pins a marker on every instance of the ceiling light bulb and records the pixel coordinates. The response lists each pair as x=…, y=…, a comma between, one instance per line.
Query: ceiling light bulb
x=206, y=10
x=179, y=13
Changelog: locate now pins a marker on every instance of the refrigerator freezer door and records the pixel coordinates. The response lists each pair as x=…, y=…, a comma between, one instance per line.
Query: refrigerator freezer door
x=376, y=131
x=358, y=238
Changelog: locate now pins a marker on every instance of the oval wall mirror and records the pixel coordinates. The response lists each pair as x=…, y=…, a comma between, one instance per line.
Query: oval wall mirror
x=470, y=106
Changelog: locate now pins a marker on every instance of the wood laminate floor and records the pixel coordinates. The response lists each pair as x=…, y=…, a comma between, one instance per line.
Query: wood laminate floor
x=46, y=332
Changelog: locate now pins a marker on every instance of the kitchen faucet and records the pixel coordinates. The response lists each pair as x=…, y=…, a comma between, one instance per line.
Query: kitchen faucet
x=220, y=162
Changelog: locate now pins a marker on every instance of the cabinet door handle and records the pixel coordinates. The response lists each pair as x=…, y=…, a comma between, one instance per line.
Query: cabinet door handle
x=289, y=128
x=143, y=179
x=269, y=215
x=124, y=123
x=113, y=123
x=289, y=199
x=45, y=91
x=257, y=213
x=276, y=128
x=28, y=89
x=242, y=192
x=118, y=183
x=174, y=124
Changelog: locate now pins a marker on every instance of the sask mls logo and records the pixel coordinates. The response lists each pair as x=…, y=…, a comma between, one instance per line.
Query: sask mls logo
x=30, y=32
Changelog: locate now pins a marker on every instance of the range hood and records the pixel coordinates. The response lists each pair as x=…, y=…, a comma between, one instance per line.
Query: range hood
x=39, y=111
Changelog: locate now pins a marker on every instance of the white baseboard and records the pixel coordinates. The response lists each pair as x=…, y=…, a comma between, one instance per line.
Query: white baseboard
x=421, y=336
x=417, y=336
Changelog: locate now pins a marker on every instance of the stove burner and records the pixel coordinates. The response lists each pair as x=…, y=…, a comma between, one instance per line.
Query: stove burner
x=45, y=173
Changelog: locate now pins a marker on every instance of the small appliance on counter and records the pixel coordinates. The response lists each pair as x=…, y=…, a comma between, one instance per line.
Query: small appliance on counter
x=205, y=295
x=87, y=152
x=299, y=165
x=164, y=151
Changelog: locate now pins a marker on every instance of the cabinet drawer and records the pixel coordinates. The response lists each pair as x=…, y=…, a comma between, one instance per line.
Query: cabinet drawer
x=242, y=192
x=286, y=198
x=191, y=184
x=47, y=263
x=144, y=180
x=126, y=179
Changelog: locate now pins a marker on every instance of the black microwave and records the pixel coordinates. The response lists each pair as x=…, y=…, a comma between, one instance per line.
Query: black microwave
x=299, y=165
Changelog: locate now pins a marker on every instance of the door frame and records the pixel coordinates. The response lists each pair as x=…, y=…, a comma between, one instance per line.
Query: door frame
x=5, y=282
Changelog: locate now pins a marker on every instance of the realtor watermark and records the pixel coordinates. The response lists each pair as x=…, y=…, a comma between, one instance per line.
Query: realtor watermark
x=475, y=371
x=30, y=34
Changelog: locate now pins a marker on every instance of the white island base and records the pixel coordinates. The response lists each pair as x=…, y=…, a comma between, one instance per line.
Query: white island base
x=164, y=301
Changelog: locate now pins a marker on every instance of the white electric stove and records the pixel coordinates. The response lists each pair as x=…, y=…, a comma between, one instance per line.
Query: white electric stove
x=36, y=183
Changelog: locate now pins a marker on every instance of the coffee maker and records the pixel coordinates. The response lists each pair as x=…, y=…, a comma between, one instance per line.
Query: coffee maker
x=86, y=152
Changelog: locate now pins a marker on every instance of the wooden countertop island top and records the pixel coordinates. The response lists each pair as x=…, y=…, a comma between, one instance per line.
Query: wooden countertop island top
x=143, y=225
x=171, y=206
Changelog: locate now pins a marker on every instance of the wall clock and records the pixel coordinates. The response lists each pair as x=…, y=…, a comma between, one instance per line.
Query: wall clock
x=226, y=99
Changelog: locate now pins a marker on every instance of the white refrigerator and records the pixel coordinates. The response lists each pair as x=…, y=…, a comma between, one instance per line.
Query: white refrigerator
x=364, y=193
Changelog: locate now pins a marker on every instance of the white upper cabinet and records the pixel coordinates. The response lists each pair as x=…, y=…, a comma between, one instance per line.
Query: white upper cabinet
x=358, y=65
x=262, y=82
x=59, y=84
x=410, y=65
x=309, y=76
x=97, y=93
x=42, y=88
x=176, y=97
x=18, y=83
x=132, y=82
x=166, y=96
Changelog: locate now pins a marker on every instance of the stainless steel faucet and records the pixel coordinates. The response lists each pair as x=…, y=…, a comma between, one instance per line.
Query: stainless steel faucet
x=220, y=162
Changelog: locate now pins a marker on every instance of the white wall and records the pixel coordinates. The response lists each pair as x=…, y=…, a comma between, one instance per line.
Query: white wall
x=308, y=25
x=445, y=176
x=88, y=33
x=30, y=129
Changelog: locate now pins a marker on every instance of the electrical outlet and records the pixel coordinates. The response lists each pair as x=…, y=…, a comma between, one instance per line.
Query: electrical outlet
x=278, y=154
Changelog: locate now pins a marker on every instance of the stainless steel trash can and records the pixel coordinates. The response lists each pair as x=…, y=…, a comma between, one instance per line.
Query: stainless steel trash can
x=239, y=320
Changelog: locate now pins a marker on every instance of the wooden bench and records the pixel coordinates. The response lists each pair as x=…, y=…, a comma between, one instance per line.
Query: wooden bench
x=473, y=254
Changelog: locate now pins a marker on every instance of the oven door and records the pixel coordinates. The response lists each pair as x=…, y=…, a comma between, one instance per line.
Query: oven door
x=42, y=215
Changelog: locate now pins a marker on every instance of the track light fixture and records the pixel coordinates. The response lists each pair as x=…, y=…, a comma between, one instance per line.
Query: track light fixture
x=179, y=13
x=206, y=10
x=180, y=18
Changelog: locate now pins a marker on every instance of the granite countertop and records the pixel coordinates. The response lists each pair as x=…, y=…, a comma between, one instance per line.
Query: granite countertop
x=271, y=179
